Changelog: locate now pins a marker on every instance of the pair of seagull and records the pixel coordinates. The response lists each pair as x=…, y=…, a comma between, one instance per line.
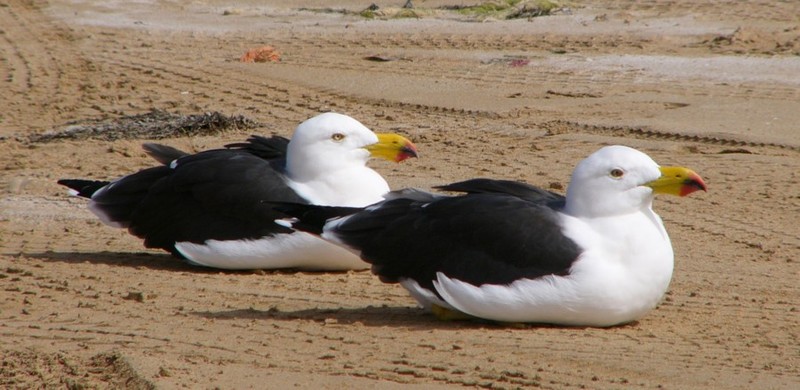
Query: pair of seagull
x=501, y=250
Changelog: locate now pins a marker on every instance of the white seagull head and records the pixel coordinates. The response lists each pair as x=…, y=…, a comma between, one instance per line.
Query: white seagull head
x=327, y=155
x=333, y=141
x=618, y=180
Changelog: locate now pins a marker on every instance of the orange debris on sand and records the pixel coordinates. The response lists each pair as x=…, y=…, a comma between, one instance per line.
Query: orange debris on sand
x=261, y=54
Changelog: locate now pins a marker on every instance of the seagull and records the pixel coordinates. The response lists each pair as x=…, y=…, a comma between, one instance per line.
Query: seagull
x=210, y=209
x=507, y=251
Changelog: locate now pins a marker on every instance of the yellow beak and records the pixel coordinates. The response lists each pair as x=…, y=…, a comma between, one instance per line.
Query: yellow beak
x=392, y=147
x=677, y=181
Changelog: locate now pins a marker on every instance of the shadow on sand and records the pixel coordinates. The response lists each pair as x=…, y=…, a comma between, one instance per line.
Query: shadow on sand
x=373, y=316
x=162, y=262
x=154, y=261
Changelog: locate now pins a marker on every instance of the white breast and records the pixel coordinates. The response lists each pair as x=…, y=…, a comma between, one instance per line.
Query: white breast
x=622, y=274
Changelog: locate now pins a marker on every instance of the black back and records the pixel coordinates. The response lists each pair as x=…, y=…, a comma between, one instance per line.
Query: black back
x=266, y=148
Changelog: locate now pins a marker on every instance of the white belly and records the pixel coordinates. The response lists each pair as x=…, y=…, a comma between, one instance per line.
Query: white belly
x=295, y=250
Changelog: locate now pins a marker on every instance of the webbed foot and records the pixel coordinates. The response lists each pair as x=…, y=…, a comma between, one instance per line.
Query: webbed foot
x=445, y=314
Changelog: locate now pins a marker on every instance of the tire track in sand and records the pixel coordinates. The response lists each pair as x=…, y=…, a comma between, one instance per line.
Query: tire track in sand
x=38, y=54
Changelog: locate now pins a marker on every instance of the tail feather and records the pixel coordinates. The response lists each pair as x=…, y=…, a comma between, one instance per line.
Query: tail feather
x=115, y=202
x=83, y=188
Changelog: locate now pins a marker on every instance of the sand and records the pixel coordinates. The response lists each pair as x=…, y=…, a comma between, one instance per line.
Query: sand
x=705, y=84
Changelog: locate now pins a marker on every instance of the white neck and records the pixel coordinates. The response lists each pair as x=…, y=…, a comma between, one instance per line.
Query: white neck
x=357, y=186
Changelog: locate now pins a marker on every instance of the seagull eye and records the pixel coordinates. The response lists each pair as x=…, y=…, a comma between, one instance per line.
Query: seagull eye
x=617, y=173
x=338, y=137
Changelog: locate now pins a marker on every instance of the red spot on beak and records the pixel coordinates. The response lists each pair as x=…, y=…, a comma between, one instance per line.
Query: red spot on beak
x=693, y=183
x=407, y=151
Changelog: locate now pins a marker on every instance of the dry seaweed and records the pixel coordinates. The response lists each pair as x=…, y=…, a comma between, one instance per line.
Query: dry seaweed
x=156, y=124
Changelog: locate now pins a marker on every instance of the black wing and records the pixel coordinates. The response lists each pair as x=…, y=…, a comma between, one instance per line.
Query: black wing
x=484, y=237
x=217, y=194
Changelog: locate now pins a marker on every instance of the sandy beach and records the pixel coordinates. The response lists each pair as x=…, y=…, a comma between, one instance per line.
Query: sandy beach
x=710, y=85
